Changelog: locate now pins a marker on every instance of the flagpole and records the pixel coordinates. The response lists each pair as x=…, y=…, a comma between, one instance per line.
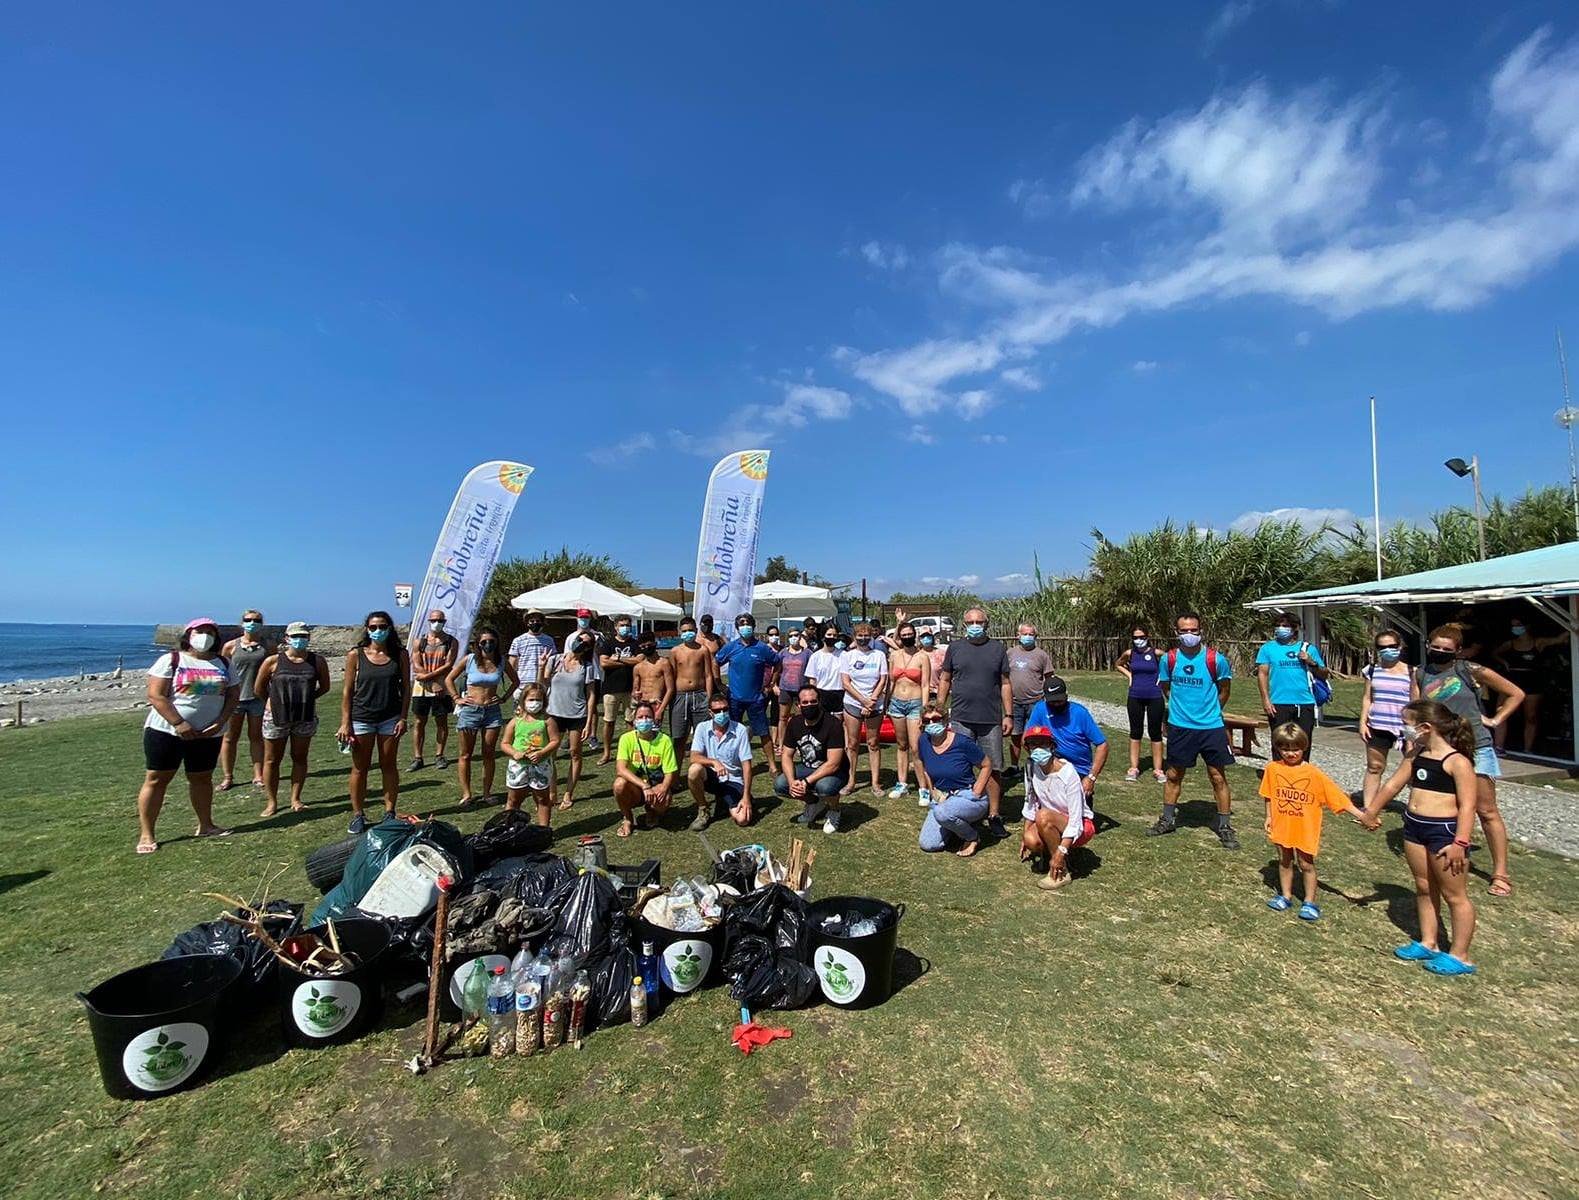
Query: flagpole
x=1376, y=492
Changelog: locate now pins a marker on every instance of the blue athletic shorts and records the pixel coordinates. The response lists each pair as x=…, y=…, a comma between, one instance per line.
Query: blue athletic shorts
x=752, y=713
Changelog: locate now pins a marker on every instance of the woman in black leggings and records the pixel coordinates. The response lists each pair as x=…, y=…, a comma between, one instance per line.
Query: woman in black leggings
x=1139, y=665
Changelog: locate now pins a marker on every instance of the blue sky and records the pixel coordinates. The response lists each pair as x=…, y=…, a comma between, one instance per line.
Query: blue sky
x=981, y=278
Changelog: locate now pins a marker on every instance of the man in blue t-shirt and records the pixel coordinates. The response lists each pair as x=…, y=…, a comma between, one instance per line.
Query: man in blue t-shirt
x=1284, y=669
x=1195, y=681
x=749, y=662
x=1075, y=734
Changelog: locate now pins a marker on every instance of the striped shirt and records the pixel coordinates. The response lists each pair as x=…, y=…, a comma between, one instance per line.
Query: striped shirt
x=531, y=651
x=1389, y=694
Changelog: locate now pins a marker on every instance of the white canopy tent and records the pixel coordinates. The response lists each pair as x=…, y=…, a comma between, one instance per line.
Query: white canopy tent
x=654, y=609
x=570, y=594
x=792, y=601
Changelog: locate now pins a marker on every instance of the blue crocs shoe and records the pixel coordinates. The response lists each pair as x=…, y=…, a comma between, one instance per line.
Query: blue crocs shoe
x=1280, y=904
x=1415, y=952
x=1309, y=912
x=1445, y=964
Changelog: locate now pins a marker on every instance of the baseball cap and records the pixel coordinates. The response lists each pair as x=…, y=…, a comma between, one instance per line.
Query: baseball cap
x=199, y=622
x=584, y=612
x=1055, y=688
x=534, y=612
x=298, y=629
x=1038, y=731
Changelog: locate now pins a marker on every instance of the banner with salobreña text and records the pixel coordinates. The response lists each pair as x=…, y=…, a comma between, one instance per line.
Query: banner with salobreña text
x=468, y=547
x=726, y=553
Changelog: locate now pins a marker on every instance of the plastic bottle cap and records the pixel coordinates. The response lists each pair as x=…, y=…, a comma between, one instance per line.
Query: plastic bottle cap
x=498, y=970
x=636, y=980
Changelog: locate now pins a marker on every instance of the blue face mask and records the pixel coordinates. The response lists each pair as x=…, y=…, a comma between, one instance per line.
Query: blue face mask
x=645, y=725
x=250, y=626
x=1027, y=640
x=688, y=636
x=747, y=631
x=1041, y=756
x=1189, y=640
x=975, y=631
x=721, y=718
x=378, y=636
x=928, y=640
x=298, y=643
x=1283, y=633
x=623, y=630
x=838, y=645
x=935, y=729
x=583, y=622
x=1389, y=655
x=1519, y=630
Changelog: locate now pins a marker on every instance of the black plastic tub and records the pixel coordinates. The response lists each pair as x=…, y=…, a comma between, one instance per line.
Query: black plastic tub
x=159, y=1028
x=340, y=1008
x=855, y=972
x=686, y=961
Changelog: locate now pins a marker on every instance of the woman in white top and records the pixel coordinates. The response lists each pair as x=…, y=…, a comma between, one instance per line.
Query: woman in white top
x=863, y=674
x=191, y=696
x=1056, y=811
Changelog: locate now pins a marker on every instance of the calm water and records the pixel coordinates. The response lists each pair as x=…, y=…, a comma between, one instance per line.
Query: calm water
x=42, y=651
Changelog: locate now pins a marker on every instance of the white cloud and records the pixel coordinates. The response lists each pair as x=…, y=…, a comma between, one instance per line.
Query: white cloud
x=973, y=404
x=1014, y=578
x=1339, y=519
x=805, y=401
x=963, y=581
x=1285, y=188
x=921, y=434
x=1032, y=197
x=1143, y=366
x=886, y=257
x=992, y=439
x=1232, y=15
x=619, y=451
x=1021, y=378
x=1302, y=338
x=760, y=424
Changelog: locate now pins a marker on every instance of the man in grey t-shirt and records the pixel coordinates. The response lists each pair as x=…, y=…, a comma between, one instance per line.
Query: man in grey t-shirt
x=974, y=683
x=1029, y=669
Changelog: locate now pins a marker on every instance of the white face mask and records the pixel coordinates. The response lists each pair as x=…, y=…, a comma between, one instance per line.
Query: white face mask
x=202, y=642
x=534, y=706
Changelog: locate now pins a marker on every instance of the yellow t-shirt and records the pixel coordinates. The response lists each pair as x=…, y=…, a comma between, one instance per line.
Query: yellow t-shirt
x=648, y=760
x=1297, y=796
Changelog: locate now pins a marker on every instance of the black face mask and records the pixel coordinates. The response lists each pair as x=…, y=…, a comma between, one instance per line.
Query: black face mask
x=488, y=648
x=1440, y=657
x=535, y=626
x=811, y=711
x=909, y=640
x=648, y=648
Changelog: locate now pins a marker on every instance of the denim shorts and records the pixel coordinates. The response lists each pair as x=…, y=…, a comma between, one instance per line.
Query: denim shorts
x=1486, y=764
x=479, y=716
x=252, y=708
x=381, y=728
x=905, y=709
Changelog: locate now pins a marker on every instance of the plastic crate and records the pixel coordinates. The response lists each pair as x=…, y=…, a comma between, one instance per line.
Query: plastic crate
x=630, y=880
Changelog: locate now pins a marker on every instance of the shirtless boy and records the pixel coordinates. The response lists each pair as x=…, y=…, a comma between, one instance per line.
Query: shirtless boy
x=695, y=679
x=654, y=676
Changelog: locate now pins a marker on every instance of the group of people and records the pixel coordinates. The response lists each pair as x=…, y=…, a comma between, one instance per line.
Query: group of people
x=811, y=698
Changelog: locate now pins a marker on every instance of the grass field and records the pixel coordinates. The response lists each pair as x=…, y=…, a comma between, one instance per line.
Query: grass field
x=1152, y=1031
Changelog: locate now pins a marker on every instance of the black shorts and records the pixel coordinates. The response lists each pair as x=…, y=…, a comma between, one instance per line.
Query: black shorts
x=1303, y=715
x=789, y=700
x=1382, y=740
x=832, y=702
x=1434, y=833
x=1145, y=716
x=1208, y=745
x=726, y=790
x=436, y=706
x=166, y=752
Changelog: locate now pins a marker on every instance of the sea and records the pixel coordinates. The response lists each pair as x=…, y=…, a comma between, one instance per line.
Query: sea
x=44, y=651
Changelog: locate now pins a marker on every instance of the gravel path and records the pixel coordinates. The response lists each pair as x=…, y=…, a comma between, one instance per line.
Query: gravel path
x=1541, y=817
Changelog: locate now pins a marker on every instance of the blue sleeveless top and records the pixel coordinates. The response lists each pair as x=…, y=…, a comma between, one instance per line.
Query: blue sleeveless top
x=1143, y=665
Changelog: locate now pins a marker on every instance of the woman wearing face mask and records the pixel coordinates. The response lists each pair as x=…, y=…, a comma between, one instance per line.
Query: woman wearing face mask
x=1058, y=817
x=531, y=740
x=825, y=670
x=645, y=771
x=863, y=674
x=293, y=681
x=1450, y=681
x=245, y=655
x=1389, y=685
x=958, y=769
x=1524, y=660
x=792, y=664
x=1138, y=664
x=191, y=696
x=910, y=672
x=936, y=652
x=1438, y=824
x=489, y=680
x=572, y=693
x=374, y=706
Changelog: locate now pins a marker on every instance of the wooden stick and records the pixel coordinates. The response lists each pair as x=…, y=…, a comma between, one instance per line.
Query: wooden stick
x=334, y=938
x=430, y=1034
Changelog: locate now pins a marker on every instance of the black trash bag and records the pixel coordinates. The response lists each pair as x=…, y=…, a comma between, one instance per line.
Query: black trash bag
x=507, y=835
x=767, y=949
x=410, y=941
x=774, y=913
x=738, y=868
x=612, y=976
x=534, y=879
x=586, y=913
x=380, y=845
x=232, y=941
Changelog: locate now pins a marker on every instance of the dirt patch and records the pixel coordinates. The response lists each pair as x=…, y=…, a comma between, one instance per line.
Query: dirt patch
x=783, y=1096
x=702, y=1165
x=1465, y=1118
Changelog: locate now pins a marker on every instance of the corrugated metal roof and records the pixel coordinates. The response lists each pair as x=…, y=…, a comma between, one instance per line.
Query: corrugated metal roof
x=1549, y=571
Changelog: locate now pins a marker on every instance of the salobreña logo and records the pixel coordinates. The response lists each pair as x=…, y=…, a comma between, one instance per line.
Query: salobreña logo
x=165, y=1056
x=836, y=978
x=687, y=962
x=164, y=1060
x=513, y=476
x=754, y=466
x=323, y=1010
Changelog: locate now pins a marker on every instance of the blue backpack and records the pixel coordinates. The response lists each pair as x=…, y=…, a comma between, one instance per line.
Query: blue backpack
x=1319, y=688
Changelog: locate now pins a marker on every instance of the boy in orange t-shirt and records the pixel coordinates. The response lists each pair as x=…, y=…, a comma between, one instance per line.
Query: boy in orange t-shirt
x=1296, y=793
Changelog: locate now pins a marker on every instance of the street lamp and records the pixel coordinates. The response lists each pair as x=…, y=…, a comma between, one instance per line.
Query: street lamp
x=1472, y=468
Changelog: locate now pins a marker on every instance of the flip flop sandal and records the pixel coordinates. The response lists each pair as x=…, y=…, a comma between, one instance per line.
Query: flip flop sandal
x=1309, y=912
x=625, y=829
x=298, y=808
x=214, y=833
x=1446, y=964
x=1415, y=952
x=1505, y=888
x=564, y=805
x=267, y=813
x=468, y=802
x=1280, y=904
x=147, y=847
x=225, y=786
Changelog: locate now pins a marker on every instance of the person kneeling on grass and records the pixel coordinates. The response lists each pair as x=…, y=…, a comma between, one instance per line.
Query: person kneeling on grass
x=1439, y=769
x=950, y=758
x=1296, y=793
x=530, y=741
x=1058, y=817
x=720, y=769
x=811, y=761
x=645, y=771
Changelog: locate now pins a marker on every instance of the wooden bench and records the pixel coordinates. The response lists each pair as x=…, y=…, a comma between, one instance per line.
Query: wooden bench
x=1246, y=729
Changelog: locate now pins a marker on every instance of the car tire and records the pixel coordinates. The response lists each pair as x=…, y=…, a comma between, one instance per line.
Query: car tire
x=326, y=865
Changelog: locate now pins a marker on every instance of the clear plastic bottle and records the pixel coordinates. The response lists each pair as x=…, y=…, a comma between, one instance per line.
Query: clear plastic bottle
x=520, y=966
x=638, y=1003
x=528, y=1017
x=501, y=1014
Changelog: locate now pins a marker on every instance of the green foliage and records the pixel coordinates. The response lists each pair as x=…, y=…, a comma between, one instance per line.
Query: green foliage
x=512, y=576
x=779, y=570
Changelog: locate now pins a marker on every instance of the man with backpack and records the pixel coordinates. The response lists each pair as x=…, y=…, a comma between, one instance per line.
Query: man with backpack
x=1195, y=681
x=1290, y=673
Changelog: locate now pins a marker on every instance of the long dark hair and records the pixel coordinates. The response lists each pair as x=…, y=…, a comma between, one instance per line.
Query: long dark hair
x=1455, y=730
x=475, y=648
x=391, y=646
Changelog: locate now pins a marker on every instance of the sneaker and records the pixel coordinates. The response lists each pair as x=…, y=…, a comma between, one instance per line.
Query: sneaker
x=924, y=797
x=1280, y=904
x=831, y=825
x=1160, y=776
x=1162, y=826
x=358, y=824
x=442, y=763
x=1132, y=775
x=898, y=790
x=996, y=825
x=1227, y=836
x=809, y=814
x=703, y=820
x=416, y=765
x=592, y=743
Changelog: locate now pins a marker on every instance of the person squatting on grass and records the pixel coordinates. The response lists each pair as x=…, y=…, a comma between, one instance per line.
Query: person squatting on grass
x=1058, y=815
x=1439, y=771
x=960, y=771
x=1296, y=793
x=645, y=771
x=531, y=740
